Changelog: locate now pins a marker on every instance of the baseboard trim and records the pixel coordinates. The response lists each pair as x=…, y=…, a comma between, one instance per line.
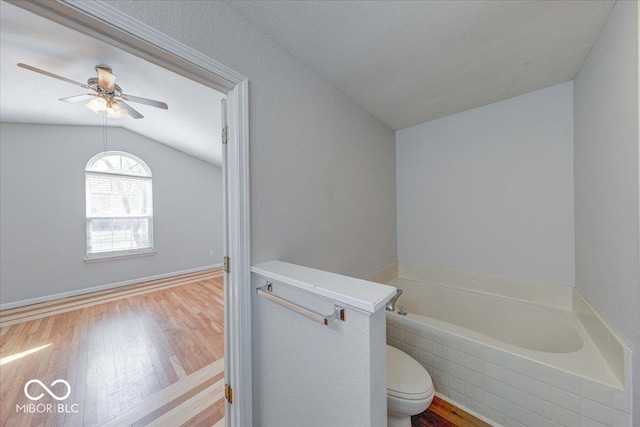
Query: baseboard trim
x=46, y=298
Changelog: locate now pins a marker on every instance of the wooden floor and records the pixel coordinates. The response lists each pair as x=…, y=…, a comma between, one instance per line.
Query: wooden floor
x=444, y=414
x=149, y=354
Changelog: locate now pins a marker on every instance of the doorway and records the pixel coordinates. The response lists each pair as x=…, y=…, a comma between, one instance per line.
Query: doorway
x=89, y=19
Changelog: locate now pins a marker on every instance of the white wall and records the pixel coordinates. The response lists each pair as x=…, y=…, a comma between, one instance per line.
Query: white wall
x=42, y=209
x=490, y=190
x=606, y=179
x=322, y=168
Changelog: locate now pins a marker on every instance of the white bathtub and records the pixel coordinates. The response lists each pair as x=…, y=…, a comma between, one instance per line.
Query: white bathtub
x=506, y=360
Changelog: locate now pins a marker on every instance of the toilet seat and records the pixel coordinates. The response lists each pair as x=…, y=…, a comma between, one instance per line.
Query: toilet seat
x=406, y=378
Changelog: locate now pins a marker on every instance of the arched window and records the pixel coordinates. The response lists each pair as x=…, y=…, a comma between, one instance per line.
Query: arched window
x=119, y=205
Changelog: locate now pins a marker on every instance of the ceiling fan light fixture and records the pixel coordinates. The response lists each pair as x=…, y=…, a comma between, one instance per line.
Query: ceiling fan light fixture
x=113, y=110
x=116, y=111
x=97, y=105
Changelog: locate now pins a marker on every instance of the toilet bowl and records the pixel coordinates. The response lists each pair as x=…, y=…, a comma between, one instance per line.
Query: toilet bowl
x=409, y=388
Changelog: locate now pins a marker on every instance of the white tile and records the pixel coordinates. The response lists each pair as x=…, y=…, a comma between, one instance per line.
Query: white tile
x=439, y=337
x=455, y=343
x=493, y=355
x=473, y=349
x=539, y=406
x=424, y=344
x=398, y=344
x=513, y=395
x=439, y=363
x=565, y=418
x=566, y=400
x=424, y=332
x=473, y=363
x=588, y=422
x=513, y=362
x=537, y=371
x=539, y=389
x=398, y=334
x=515, y=412
x=439, y=376
x=410, y=327
x=412, y=351
x=456, y=356
x=456, y=397
x=595, y=411
x=494, y=371
x=494, y=416
x=494, y=402
x=477, y=407
x=456, y=385
x=492, y=386
x=439, y=349
x=622, y=400
x=621, y=419
x=424, y=358
x=509, y=422
x=567, y=382
x=515, y=379
x=389, y=340
x=597, y=392
x=455, y=370
x=538, y=421
x=411, y=339
x=392, y=320
x=473, y=378
x=474, y=393
x=441, y=388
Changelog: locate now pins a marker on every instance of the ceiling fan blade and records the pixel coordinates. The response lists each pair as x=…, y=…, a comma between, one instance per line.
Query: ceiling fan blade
x=145, y=101
x=106, y=79
x=132, y=112
x=55, y=76
x=75, y=99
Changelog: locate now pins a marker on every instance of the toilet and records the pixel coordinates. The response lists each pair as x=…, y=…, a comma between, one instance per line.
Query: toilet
x=409, y=388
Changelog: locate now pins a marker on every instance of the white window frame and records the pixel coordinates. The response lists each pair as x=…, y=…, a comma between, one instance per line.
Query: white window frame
x=117, y=254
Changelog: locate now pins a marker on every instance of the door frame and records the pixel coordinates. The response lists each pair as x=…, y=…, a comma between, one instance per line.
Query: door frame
x=108, y=24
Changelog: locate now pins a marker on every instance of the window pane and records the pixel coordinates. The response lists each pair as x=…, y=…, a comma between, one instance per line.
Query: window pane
x=109, y=196
x=118, y=234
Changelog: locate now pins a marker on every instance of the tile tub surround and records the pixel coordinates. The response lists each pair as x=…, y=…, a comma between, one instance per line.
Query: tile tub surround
x=504, y=388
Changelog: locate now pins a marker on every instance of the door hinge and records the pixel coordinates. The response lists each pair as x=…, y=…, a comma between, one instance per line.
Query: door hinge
x=228, y=393
x=225, y=134
x=227, y=265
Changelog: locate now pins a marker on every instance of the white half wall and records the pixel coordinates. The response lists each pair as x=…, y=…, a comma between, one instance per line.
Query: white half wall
x=607, y=179
x=42, y=206
x=490, y=190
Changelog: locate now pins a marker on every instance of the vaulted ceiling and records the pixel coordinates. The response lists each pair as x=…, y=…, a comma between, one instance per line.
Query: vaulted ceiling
x=408, y=62
x=191, y=124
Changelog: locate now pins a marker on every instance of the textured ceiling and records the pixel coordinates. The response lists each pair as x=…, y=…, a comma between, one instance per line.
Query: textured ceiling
x=410, y=62
x=191, y=124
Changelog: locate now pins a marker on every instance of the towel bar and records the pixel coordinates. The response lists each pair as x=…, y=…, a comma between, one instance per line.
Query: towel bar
x=267, y=292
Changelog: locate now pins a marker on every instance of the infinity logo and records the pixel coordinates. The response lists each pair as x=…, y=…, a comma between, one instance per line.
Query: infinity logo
x=52, y=394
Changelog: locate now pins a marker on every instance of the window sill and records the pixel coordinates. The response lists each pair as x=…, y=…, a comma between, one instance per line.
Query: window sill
x=113, y=256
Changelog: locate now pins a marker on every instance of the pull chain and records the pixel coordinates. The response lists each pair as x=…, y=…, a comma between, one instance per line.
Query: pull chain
x=104, y=132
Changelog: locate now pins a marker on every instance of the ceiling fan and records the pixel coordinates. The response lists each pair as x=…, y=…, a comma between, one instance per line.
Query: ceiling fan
x=107, y=96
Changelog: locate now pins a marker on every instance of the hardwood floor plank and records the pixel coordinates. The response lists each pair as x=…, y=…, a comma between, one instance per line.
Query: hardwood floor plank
x=118, y=352
x=443, y=414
